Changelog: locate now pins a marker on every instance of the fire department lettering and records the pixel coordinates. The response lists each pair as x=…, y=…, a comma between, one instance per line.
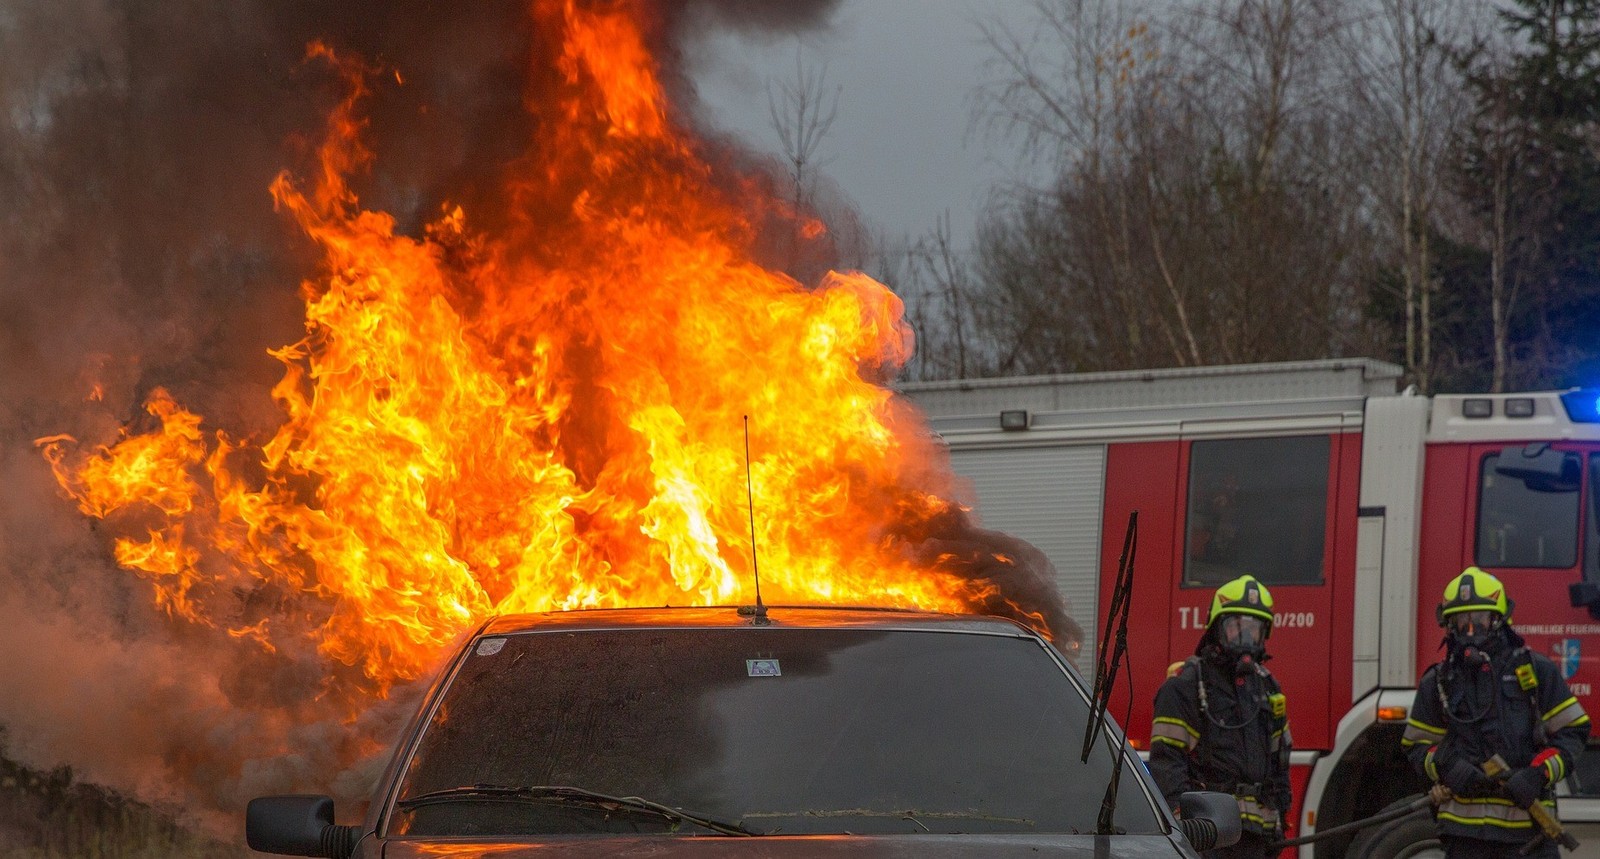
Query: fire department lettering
x=1194, y=617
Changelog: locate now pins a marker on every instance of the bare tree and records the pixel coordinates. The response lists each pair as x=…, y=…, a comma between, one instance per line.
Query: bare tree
x=1201, y=211
x=1406, y=104
x=825, y=231
x=802, y=111
x=1070, y=91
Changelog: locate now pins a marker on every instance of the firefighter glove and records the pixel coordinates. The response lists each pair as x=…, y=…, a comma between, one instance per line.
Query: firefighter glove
x=1525, y=785
x=1464, y=779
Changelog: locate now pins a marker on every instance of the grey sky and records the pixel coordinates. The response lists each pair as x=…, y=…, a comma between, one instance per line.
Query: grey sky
x=900, y=145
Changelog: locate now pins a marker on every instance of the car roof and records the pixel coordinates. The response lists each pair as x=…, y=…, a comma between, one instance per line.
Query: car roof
x=779, y=617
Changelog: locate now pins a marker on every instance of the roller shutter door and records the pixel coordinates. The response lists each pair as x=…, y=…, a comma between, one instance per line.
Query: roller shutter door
x=1051, y=497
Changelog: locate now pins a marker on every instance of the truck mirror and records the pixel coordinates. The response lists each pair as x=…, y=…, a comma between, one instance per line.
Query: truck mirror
x=1209, y=819
x=1585, y=595
x=297, y=826
x=1540, y=467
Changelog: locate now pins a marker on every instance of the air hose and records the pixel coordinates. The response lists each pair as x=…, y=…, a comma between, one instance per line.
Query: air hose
x=1411, y=807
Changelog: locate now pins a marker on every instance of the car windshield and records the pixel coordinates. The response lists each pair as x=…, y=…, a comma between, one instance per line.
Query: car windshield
x=791, y=731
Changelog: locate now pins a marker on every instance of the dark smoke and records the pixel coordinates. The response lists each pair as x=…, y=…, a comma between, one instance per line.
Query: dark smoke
x=1023, y=575
x=139, y=248
x=761, y=16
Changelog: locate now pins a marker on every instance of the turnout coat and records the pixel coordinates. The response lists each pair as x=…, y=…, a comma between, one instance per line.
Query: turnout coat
x=1515, y=704
x=1215, y=730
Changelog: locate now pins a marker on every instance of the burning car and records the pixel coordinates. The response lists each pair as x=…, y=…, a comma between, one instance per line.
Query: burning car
x=794, y=732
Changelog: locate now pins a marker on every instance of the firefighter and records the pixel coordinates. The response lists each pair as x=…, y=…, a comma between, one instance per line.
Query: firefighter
x=1221, y=721
x=1490, y=696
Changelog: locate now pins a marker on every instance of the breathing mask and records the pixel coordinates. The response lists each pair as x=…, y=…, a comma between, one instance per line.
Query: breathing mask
x=1473, y=631
x=1242, y=636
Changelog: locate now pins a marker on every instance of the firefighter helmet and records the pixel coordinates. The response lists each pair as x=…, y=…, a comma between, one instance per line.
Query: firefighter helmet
x=1243, y=595
x=1474, y=590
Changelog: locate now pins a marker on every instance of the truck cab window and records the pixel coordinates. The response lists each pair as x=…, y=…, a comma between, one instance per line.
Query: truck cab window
x=1526, y=520
x=1257, y=506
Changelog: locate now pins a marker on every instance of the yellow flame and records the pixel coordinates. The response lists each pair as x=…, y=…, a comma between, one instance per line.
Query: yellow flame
x=549, y=418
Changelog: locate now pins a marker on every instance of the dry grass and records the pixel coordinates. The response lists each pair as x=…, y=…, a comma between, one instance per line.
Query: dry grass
x=51, y=816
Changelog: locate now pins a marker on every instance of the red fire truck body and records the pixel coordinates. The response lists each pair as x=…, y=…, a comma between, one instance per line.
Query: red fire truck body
x=1354, y=502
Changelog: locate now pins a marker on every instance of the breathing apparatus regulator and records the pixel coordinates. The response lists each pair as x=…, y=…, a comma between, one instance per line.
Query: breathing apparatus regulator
x=1240, y=622
x=1473, y=613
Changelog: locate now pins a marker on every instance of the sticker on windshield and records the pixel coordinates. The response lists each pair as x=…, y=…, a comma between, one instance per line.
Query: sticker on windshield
x=762, y=668
x=490, y=646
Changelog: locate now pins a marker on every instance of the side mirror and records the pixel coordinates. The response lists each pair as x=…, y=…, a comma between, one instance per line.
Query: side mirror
x=1209, y=819
x=1585, y=595
x=1540, y=467
x=298, y=826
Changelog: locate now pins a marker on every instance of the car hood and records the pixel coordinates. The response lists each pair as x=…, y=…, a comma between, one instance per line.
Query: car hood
x=802, y=847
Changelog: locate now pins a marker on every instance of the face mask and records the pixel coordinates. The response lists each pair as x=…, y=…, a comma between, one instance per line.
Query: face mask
x=1473, y=629
x=1242, y=635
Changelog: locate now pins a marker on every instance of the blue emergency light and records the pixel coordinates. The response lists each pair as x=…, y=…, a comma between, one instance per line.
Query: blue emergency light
x=1582, y=405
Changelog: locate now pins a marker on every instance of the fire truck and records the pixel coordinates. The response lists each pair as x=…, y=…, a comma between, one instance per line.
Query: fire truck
x=1353, y=500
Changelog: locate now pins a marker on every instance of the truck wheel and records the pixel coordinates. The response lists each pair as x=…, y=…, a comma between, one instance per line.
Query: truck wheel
x=1411, y=837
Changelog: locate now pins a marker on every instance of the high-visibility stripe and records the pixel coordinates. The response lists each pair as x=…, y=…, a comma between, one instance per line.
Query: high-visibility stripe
x=1173, y=731
x=1488, y=811
x=1255, y=812
x=1171, y=720
x=1156, y=738
x=1427, y=764
x=1559, y=707
x=1568, y=712
x=1484, y=821
x=1424, y=726
x=1280, y=738
x=1550, y=759
x=1420, y=732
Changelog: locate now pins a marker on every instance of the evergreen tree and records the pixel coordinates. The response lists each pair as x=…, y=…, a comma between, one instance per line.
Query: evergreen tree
x=1527, y=165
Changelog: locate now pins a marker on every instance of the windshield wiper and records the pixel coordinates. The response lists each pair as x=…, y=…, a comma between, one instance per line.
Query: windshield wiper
x=1106, y=672
x=573, y=796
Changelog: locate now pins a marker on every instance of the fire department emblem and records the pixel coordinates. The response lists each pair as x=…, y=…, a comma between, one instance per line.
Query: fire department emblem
x=1466, y=589
x=1567, y=652
x=1252, y=597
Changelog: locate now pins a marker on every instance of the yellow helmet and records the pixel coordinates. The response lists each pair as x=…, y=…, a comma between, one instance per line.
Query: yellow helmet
x=1243, y=595
x=1474, y=590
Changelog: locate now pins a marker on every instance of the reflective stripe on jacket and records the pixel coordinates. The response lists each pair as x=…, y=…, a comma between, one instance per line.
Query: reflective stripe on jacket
x=1488, y=811
x=1252, y=811
x=1515, y=705
x=1173, y=731
x=1242, y=747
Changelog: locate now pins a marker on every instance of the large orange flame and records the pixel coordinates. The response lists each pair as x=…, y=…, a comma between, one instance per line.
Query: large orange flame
x=551, y=417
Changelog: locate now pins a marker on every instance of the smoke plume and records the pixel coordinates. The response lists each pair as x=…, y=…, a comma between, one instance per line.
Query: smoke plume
x=140, y=249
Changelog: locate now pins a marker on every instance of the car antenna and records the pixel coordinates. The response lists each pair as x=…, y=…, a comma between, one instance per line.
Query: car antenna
x=1106, y=671
x=760, y=610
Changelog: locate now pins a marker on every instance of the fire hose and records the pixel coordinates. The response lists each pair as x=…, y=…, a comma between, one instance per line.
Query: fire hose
x=1548, y=827
x=1421, y=802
